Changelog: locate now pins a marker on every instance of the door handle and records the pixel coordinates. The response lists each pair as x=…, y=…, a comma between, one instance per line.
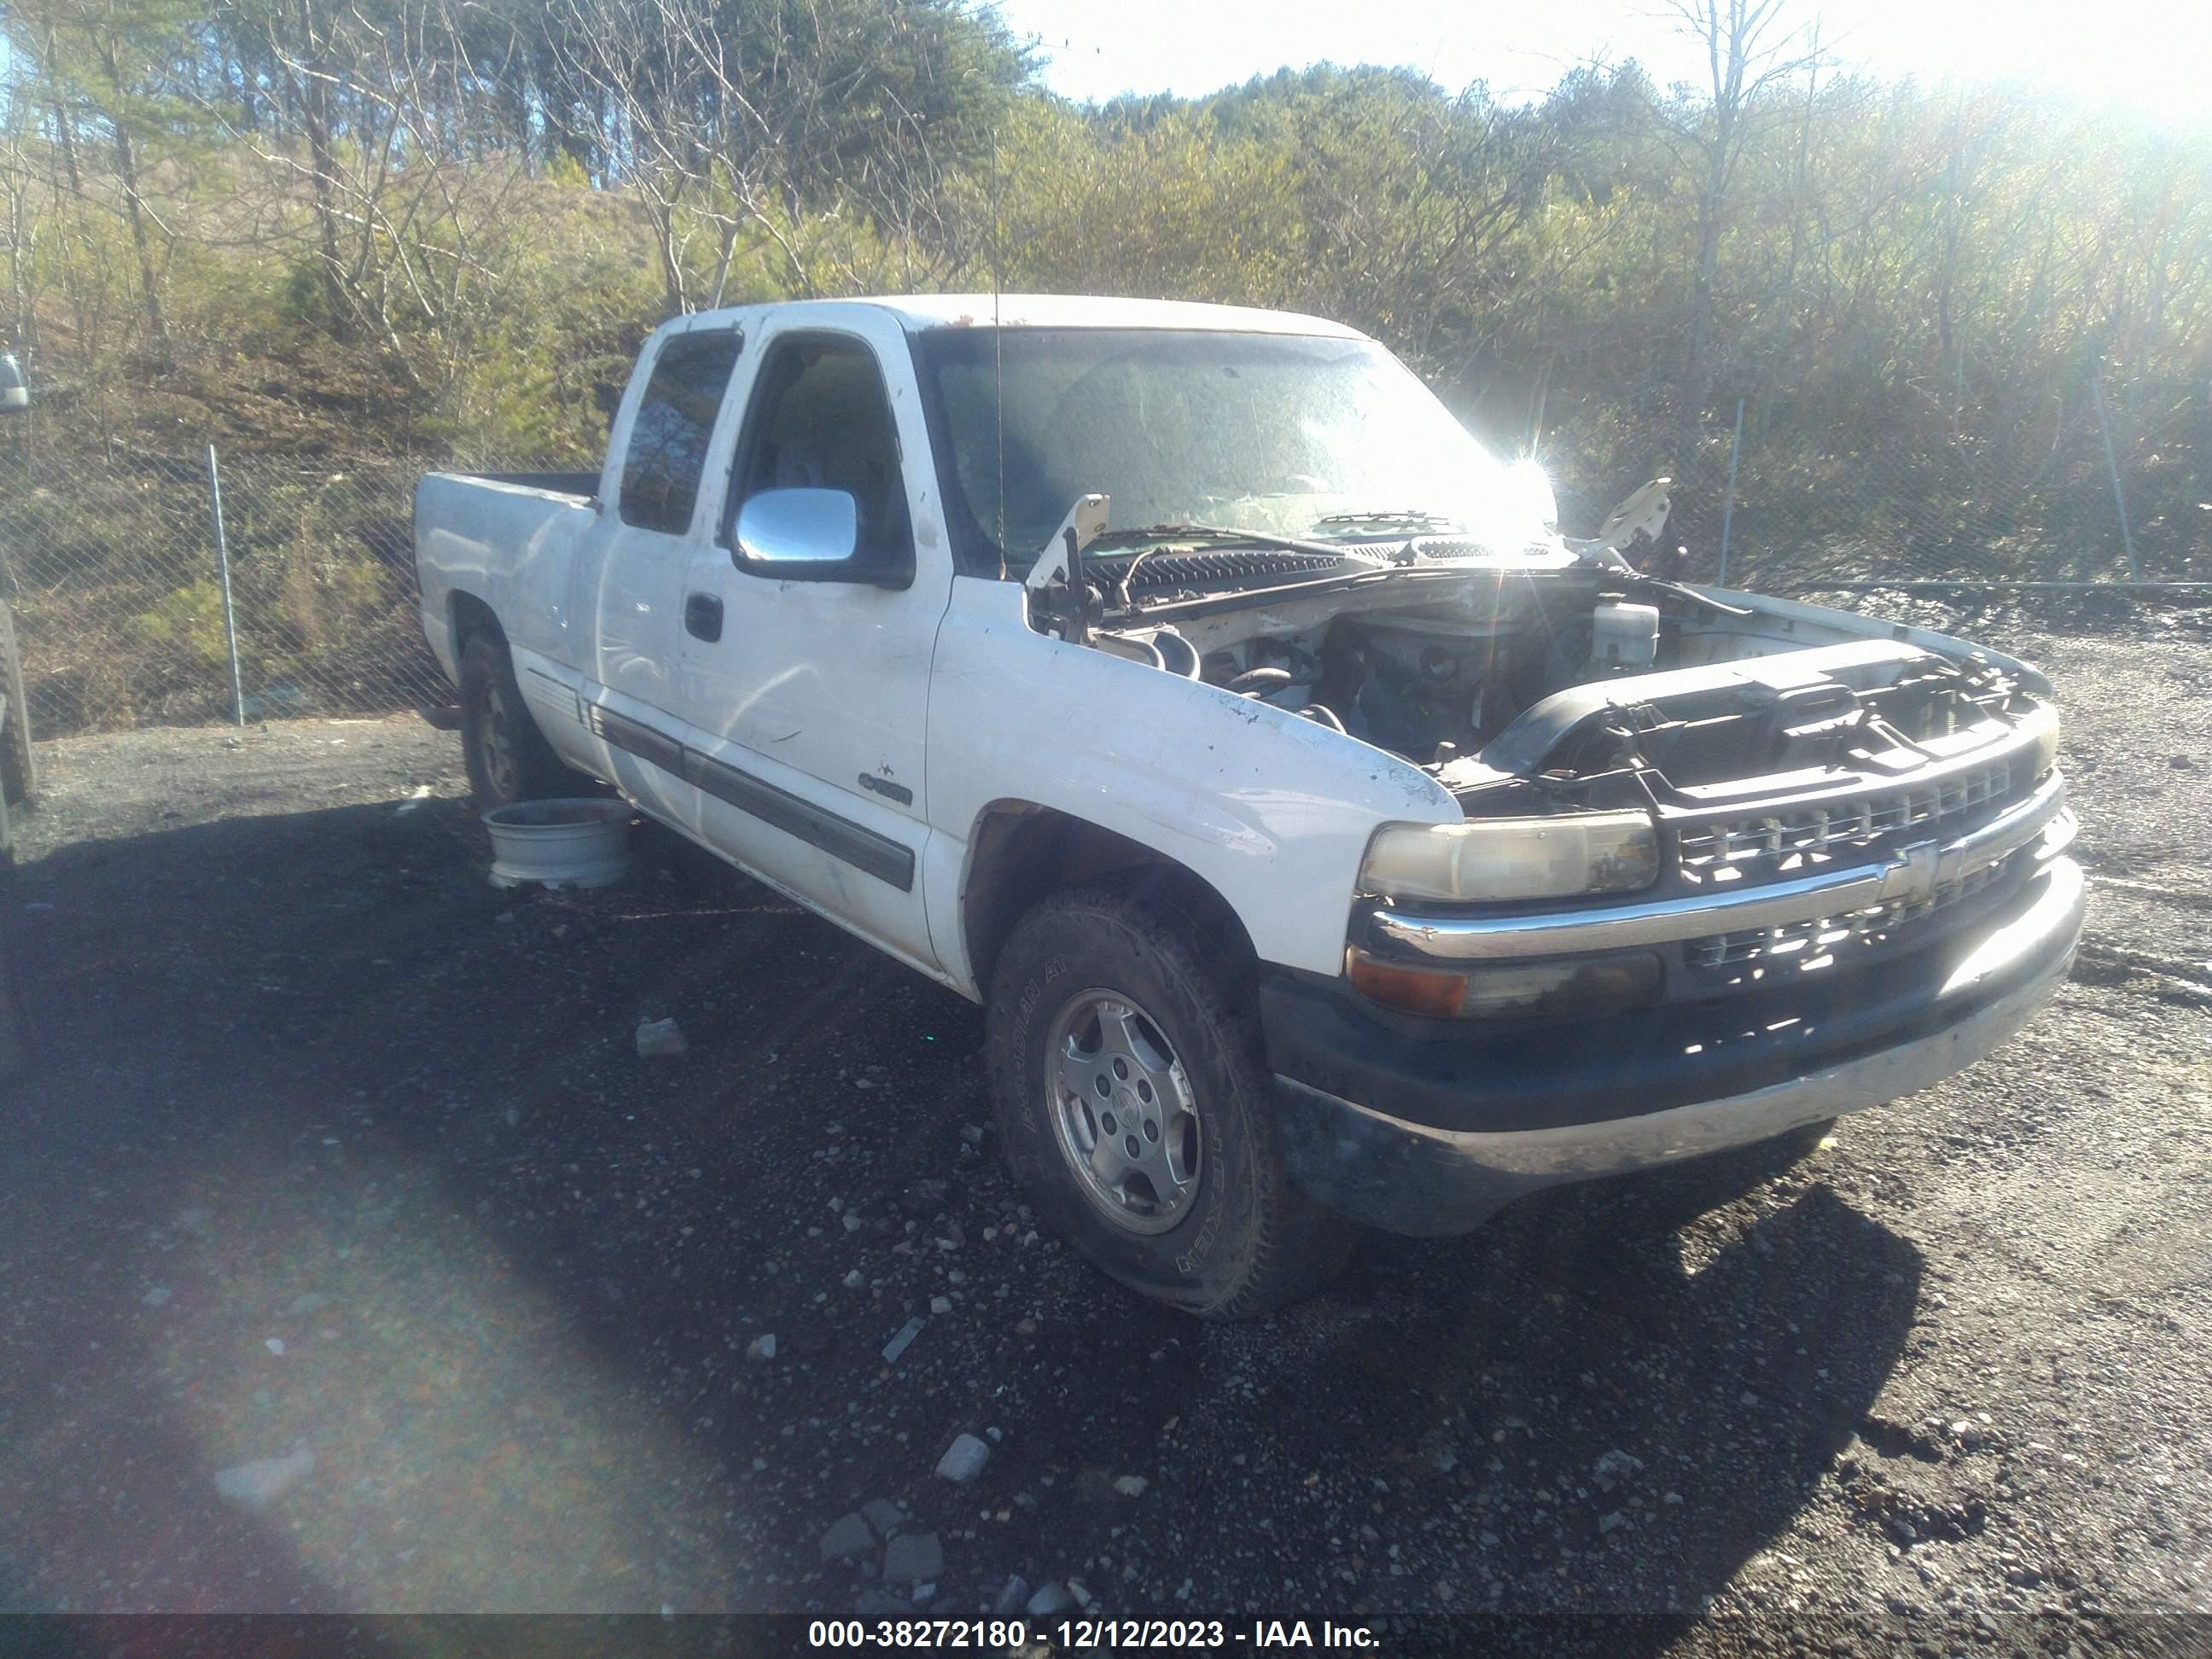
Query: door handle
x=702, y=616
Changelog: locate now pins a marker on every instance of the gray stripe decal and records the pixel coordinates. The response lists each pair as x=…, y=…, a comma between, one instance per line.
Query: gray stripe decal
x=856, y=844
x=641, y=739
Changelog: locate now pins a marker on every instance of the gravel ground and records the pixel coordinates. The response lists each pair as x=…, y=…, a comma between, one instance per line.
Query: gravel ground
x=351, y=1258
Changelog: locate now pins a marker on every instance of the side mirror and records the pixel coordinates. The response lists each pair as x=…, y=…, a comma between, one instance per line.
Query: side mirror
x=13, y=394
x=808, y=535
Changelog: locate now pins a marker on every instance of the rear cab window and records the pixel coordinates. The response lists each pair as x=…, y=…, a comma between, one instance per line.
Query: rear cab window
x=667, y=451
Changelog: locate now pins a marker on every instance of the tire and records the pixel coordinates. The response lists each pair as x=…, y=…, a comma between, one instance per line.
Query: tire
x=508, y=758
x=1117, y=984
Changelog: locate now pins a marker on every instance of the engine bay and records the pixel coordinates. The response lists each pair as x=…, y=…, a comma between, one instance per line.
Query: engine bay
x=1595, y=687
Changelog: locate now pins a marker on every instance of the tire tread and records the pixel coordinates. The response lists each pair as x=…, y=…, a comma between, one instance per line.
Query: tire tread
x=543, y=775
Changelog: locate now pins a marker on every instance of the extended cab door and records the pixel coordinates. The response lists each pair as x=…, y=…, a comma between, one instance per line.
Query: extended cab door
x=805, y=701
x=629, y=576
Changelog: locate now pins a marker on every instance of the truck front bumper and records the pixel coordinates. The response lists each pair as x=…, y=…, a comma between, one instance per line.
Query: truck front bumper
x=1429, y=1127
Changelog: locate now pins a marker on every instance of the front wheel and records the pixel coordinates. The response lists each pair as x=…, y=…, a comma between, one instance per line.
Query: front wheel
x=1133, y=1100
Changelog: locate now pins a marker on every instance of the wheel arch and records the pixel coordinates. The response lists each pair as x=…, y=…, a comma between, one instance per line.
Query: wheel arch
x=1021, y=853
x=469, y=616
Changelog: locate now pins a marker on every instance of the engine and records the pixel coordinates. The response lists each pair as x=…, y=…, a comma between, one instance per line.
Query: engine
x=1430, y=686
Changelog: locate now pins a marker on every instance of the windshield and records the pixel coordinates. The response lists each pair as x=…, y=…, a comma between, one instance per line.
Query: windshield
x=1281, y=435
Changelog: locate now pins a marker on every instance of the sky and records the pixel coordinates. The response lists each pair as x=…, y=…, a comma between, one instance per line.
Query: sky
x=2152, y=53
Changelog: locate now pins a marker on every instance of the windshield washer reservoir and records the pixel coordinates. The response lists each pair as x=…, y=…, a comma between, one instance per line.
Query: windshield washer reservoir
x=1623, y=637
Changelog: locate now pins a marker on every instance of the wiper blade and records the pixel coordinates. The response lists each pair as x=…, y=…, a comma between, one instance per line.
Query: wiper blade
x=1219, y=535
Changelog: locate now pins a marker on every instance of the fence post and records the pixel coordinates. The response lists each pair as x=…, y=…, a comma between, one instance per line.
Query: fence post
x=1727, y=507
x=2113, y=471
x=222, y=564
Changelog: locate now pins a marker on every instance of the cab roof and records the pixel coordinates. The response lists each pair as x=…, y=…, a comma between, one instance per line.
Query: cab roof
x=921, y=312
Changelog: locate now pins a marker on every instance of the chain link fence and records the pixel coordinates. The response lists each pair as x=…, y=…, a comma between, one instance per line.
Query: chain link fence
x=120, y=612
x=118, y=579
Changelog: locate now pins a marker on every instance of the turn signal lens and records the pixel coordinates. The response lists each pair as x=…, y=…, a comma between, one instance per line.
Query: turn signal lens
x=1411, y=990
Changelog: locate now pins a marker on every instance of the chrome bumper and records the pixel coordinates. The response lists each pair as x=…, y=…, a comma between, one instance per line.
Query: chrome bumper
x=1412, y=1178
x=1913, y=875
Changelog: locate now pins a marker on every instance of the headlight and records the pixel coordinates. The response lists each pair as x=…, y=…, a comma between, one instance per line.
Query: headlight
x=1492, y=859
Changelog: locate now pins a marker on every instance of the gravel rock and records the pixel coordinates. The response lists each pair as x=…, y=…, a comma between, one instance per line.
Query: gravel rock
x=849, y=1536
x=1010, y=1600
x=898, y=1344
x=1614, y=1467
x=885, y=1517
x=963, y=1460
x=913, y=1557
x=1049, y=1599
x=762, y=1347
x=258, y=1485
x=660, y=1039
x=1132, y=1486
x=941, y=1304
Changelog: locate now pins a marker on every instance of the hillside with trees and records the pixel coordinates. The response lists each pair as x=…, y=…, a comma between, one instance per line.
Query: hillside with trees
x=407, y=230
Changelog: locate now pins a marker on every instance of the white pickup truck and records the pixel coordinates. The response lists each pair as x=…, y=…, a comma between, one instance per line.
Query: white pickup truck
x=1328, y=842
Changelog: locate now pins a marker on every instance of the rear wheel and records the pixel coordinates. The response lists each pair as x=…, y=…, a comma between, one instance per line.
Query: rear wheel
x=508, y=758
x=1133, y=1100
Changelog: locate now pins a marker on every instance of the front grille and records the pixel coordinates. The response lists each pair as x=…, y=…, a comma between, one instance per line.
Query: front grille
x=1811, y=944
x=1732, y=848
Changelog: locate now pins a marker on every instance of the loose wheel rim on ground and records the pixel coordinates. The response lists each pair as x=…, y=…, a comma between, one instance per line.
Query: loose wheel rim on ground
x=1123, y=1110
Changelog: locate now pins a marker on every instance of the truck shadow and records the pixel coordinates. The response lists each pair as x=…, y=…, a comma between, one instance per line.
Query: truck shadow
x=1593, y=1404
x=1608, y=1400
x=1639, y=1397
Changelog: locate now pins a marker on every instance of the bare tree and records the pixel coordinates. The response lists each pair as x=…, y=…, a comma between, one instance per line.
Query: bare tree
x=727, y=125
x=398, y=200
x=1751, y=50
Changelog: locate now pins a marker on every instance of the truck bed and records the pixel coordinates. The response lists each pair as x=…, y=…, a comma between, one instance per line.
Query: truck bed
x=479, y=533
x=584, y=484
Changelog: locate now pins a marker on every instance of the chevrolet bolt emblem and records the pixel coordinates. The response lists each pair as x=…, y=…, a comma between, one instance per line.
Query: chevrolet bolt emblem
x=1914, y=875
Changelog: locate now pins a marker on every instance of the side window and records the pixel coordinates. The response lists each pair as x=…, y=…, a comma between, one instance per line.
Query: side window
x=668, y=441
x=821, y=418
